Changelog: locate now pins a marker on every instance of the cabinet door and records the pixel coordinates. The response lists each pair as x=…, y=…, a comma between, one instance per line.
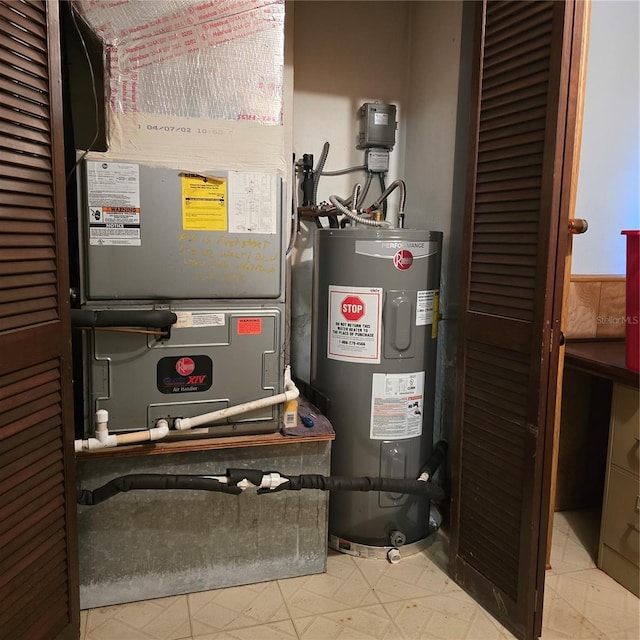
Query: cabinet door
x=528, y=57
x=38, y=563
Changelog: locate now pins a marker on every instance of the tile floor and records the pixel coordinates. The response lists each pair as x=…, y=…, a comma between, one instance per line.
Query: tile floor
x=372, y=599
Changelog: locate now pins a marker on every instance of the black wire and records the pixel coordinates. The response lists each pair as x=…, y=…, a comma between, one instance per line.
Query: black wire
x=384, y=202
x=95, y=95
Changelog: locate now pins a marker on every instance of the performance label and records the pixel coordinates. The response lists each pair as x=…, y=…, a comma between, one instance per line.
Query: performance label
x=113, y=198
x=397, y=401
x=354, y=324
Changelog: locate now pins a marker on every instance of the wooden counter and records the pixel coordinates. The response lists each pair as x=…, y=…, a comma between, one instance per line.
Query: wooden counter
x=604, y=358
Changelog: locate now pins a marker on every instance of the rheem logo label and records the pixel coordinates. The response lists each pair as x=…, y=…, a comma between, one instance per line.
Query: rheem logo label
x=352, y=308
x=403, y=260
x=185, y=366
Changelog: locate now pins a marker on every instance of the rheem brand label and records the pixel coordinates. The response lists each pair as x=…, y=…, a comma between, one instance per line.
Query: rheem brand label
x=354, y=324
x=403, y=260
x=184, y=374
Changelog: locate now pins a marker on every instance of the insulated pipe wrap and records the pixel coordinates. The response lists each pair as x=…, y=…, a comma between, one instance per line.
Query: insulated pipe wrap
x=344, y=483
x=158, y=319
x=151, y=481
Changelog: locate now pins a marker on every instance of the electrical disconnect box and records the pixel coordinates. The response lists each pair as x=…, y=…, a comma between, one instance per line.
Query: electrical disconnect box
x=377, y=125
x=206, y=247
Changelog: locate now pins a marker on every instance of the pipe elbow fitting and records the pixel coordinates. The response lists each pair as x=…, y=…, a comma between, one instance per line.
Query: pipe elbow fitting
x=182, y=424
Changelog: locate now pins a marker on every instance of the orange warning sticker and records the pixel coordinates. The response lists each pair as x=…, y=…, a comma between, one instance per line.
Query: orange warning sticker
x=249, y=326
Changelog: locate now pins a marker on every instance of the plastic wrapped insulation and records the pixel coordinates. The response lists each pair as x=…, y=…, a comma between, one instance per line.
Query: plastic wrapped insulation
x=213, y=59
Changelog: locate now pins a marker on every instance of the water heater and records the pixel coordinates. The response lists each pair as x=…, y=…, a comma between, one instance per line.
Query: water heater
x=375, y=300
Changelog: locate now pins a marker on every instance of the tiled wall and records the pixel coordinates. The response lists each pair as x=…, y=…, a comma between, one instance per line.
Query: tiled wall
x=596, y=307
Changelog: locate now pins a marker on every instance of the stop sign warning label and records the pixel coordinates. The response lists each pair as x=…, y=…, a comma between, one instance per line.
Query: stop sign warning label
x=355, y=316
x=352, y=308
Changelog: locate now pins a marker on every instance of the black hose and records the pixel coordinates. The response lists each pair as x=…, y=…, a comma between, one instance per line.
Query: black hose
x=343, y=483
x=438, y=454
x=155, y=318
x=293, y=483
x=152, y=481
x=384, y=202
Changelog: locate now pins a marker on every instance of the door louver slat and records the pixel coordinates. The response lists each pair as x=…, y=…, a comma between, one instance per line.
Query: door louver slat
x=29, y=483
x=21, y=551
x=34, y=37
x=28, y=15
x=8, y=57
x=23, y=119
x=22, y=600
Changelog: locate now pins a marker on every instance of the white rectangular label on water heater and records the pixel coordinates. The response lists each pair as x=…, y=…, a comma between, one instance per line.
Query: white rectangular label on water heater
x=113, y=203
x=354, y=324
x=424, y=307
x=397, y=401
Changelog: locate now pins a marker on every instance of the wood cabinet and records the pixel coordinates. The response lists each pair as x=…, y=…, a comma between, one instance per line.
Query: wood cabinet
x=619, y=553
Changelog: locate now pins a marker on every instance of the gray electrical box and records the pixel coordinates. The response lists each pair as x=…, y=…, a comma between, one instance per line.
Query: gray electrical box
x=377, y=125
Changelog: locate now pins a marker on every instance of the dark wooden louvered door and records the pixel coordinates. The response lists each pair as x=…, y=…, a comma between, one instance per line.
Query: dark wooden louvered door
x=515, y=240
x=38, y=565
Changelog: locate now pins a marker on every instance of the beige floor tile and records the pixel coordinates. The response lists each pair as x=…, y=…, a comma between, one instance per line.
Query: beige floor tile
x=600, y=599
x=561, y=621
x=341, y=587
x=416, y=576
x=283, y=630
x=235, y=608
x=451, y=616
x=438, y=551
x=161, y=619
x=631, y=634
x=83, y=623
x=568, y=554
x=364, y=623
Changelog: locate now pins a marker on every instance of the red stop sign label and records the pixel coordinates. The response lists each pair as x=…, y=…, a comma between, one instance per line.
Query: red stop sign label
x=352, y=308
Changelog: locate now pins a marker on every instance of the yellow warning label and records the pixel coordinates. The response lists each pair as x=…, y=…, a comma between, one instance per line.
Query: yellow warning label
x=436, y=306
x=204, y=203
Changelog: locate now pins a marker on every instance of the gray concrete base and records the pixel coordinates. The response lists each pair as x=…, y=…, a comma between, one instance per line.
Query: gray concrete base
x=151, y=544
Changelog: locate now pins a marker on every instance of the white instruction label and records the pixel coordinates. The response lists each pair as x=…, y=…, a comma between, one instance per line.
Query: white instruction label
x=253, y=201
x=190, y=320
x=354, y=327
x=424, y=307
x=396, y=405
x=113, y=195
x=381, y=119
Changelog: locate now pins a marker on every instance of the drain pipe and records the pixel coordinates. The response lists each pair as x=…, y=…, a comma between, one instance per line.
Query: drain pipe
x=104, y=439
x=291, y=392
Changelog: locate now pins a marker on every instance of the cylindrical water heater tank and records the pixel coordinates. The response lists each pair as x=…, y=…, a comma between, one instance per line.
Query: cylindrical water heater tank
x=375, y=301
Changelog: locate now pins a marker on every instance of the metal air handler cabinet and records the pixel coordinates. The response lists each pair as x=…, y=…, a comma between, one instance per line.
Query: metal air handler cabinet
x=375, y=296
x=207, y=247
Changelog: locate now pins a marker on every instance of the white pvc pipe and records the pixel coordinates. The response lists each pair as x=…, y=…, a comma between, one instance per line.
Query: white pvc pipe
x=104, y=439
x=291, y=392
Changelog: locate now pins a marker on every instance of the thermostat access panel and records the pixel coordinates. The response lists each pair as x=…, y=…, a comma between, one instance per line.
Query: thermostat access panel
x=152, y=233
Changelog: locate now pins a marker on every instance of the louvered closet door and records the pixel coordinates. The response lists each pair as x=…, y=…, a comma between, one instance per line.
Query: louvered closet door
x=515, y=241
x=38, y=566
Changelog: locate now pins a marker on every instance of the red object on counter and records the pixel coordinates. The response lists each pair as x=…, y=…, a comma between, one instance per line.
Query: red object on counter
x=632, y=324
